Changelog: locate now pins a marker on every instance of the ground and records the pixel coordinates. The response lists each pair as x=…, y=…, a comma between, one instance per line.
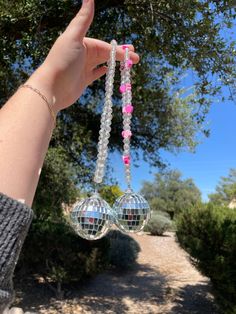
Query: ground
x=163, y=281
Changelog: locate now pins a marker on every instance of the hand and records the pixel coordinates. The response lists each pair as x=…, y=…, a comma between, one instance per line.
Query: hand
x=72, y=63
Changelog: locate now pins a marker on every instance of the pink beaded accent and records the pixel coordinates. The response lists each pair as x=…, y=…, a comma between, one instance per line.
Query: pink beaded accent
x=126, y=159
x=124, y=47
x=122, y=88
x=126, y=134
x=128, y=86
x=128, y=109
x=129, y=63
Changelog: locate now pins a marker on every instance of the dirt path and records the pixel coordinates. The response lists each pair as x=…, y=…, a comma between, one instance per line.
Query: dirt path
x=163, y=281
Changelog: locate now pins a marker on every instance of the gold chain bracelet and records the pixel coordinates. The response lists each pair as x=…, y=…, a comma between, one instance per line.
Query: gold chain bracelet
x=52, y=113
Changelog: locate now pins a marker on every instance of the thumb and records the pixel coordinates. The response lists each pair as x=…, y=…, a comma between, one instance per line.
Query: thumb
x=82, y=21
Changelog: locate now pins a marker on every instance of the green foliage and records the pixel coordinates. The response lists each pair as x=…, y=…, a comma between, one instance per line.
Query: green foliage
x=208, y=233
x=123, y=250
x=158, y=224
x=225, y=190
x=56, y=186
x=170, y=193
x=172, y=37
x=110, y=193
x=55, y=252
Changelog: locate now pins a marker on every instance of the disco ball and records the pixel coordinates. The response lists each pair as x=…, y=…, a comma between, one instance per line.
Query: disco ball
x=91, y=218
x=131, y=211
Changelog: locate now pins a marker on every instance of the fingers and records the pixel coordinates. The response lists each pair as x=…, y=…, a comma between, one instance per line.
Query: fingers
x=82, y=21
x=101, y=51
x=120, y=53
x=97, y=73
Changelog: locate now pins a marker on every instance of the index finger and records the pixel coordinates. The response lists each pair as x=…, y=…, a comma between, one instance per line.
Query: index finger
x=102, y=50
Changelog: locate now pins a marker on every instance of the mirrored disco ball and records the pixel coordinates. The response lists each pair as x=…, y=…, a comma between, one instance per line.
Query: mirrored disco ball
x=131, y=211
x=91, y=218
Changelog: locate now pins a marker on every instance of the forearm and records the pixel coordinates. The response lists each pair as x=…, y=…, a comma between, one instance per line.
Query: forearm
x=25, y=122
x=25, y=130
x=15, y=219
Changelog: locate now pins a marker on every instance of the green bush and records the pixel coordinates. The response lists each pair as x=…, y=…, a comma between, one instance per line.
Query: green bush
x=54, y=252
x=208, y=233
x=158, y=224
x=123, y=250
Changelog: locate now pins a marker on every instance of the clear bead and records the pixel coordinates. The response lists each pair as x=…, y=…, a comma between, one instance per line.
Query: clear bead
x=126, y=151
x=101, y=136
x=127, y=127
x=107, y=124
x=109, y=111
x=103, y=147
x=127, y=172
x=100, y=166
x=126, y=119
x=106, y=141
x=104, y=153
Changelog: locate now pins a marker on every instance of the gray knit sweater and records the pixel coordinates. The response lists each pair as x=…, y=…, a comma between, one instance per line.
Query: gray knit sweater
x=15, y=219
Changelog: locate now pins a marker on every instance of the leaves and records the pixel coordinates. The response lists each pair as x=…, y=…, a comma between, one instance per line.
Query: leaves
x=207, y=232
x=173, y=38
x=170, y=193
x=225, y=190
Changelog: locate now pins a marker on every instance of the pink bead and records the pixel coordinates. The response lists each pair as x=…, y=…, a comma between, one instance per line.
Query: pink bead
x=128, y=86
x=124, y=47
x=126, y=134
x=128, y=64
x=128, y=109
x=123, y=88
x=126, y=159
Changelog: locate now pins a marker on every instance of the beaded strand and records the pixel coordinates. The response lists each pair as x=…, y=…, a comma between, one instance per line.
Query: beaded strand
x=93, y=217
x=127, y=109
x=105, y=126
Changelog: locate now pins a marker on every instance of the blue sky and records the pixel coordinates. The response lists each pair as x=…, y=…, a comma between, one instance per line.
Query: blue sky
x=213, y=157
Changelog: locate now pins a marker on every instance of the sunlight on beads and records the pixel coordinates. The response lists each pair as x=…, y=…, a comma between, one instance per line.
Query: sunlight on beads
x=92, y=218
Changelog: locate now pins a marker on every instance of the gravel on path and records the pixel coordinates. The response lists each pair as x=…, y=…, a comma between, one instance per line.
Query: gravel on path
x=163, y=281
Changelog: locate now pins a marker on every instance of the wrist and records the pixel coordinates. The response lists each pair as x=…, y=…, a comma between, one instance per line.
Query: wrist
x=43, y=79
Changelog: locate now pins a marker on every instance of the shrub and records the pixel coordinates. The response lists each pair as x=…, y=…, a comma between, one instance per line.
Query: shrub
x=208, y=233
x=123, y=250
x=158, y=224
x=55, y=252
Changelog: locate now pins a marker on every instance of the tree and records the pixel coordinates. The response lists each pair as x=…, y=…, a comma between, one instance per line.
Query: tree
x=110, y=193
x=172, y=38
x=170, y=193
x=225, y=190
x=56, y=187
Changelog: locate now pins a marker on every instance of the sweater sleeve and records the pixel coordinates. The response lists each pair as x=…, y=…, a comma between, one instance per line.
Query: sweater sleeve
x=15, y=219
